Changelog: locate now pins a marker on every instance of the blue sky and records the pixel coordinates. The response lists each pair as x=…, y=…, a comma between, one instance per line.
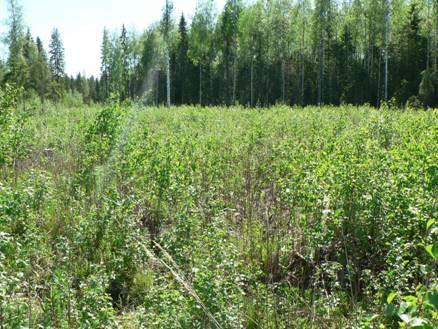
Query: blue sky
x=81, y=23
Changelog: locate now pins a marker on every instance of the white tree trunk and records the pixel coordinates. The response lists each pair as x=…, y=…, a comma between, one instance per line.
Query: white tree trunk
x=168, y=76
x=387, y=8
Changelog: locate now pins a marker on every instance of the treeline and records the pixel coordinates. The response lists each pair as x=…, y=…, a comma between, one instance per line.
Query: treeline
x=256, y=53
x=40, y=74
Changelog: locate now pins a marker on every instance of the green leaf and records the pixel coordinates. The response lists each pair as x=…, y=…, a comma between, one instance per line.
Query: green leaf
x=372, y=317
x=432, y=250
x=391, y=311
x=430, y=223
x=412, y=322
x=391, y=297
x=406, y=318
x=432, y=299
x=411, y=299
x=417, y=322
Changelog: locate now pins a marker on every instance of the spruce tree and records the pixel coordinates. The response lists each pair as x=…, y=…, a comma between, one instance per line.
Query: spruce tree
x=30, y=53
x=42, y=71
x=57, y=65
x=183, y=67
x=105, y=67
x=16, y=64
x=413, y=52
x=2, y=71
x=57, y=61
x=125, y=53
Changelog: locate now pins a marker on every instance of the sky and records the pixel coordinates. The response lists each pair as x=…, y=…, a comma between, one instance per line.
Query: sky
x=81, y=24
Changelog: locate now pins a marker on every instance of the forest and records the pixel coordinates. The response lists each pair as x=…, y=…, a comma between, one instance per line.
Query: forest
x=258, y=53
x=273, y=166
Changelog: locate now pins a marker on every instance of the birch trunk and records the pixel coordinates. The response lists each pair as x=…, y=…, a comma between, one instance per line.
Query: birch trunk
x=386, y=47
x=168, y=76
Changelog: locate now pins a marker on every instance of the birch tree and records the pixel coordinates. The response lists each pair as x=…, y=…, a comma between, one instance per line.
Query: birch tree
x=166, y=27
x=251, y=40
x=201, y=38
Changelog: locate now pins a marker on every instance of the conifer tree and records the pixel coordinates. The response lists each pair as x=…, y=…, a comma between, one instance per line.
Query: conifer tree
x=42, y=71
x=57, y=61
x=57, y=65
x=183, y=65
x=105, y=67
x=30, y=53
x=124, y=51
x=17, y=70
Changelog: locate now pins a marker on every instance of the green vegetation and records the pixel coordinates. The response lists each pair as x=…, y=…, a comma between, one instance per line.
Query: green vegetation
x=125, y=216
x=122, y=215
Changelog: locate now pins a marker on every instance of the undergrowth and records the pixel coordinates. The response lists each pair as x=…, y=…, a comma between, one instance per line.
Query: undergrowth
x=218, y=217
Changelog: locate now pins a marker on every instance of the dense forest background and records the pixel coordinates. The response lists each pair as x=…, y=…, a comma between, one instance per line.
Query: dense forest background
x=253, y=53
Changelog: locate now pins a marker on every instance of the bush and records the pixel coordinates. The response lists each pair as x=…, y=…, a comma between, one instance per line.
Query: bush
x=14, y=136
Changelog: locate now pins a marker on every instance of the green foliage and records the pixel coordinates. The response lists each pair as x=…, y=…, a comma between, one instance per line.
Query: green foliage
x=56, y=59
x=428, y=89
x=99, y=140
x=14, y=137
x=419, y=310
x=125, y=216
x=253, y=53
